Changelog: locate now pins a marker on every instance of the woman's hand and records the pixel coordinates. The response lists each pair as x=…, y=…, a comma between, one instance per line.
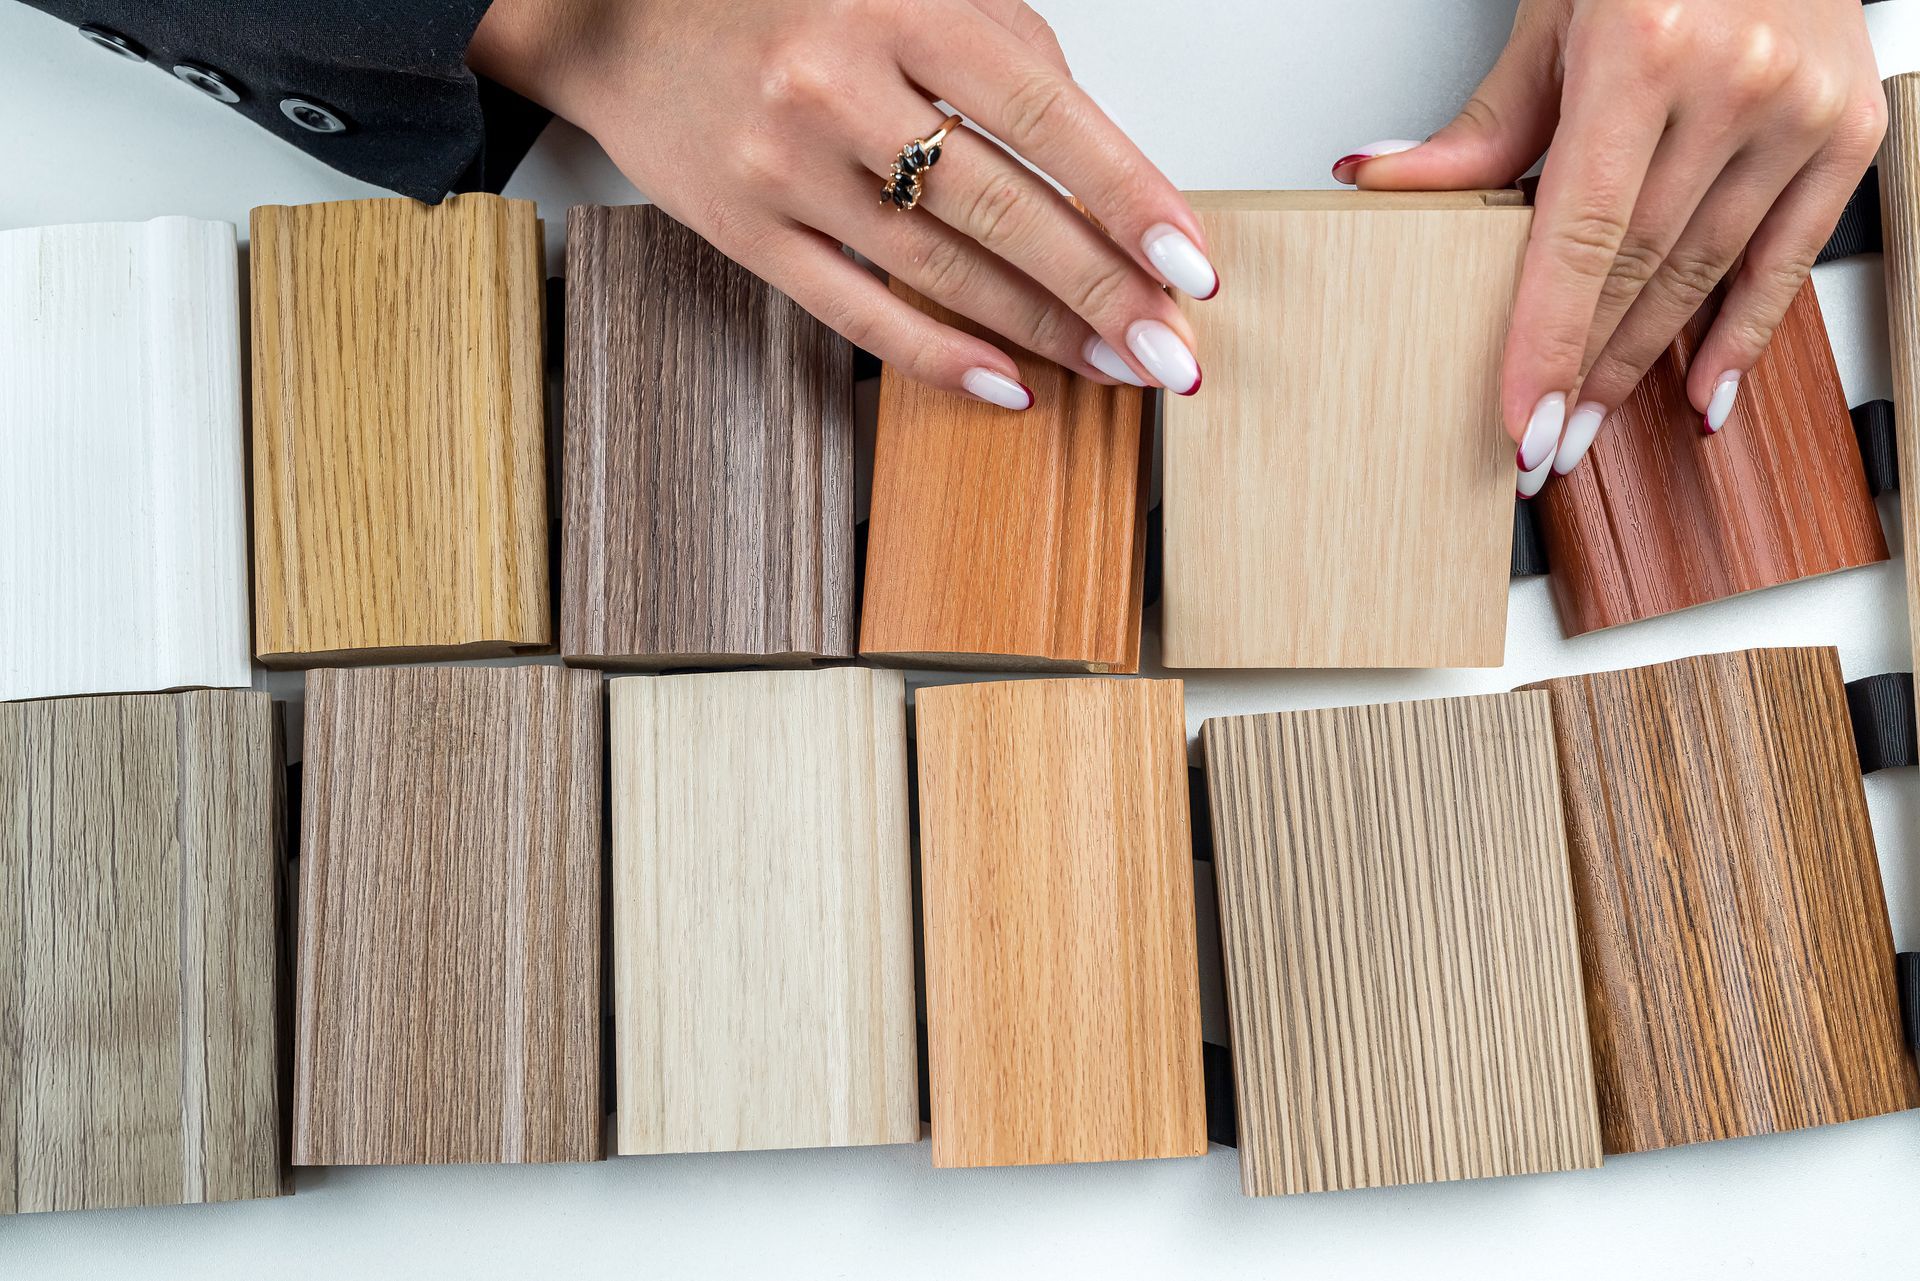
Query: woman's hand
x=1684, y=134
x=769, y=127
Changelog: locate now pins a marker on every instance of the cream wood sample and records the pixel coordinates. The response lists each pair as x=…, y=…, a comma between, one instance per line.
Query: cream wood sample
x=1340, y=492
x=762, y=911
x=123, y=558
x=1900, y=231
x=140, y=865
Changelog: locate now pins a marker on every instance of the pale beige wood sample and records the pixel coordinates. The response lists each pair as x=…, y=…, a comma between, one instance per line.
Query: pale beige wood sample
x=1402, y=965
x=1900, y=232
x=140, y=867
x=1340, y=491
x=762, y=911
x=1063, y=1003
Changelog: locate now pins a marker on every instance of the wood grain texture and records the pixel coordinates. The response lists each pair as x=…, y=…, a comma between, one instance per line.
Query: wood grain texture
x=1661, y=517
x=1739, y=963
x=449, y=975
x=1900, y=235
x=762, y=911
x=399, y=441
x=1001, y=540
x=1063, y=1004
x=1403, y=976
x=141, y=846
x=122, y=503
x=1339, y=493
x=709, y=457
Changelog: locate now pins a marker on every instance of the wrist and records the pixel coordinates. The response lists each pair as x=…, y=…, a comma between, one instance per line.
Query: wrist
x=551, y=51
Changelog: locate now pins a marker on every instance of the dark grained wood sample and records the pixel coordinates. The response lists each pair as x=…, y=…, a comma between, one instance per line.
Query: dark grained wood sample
x=449, y=952
x=1739, y=963
x=1002, y=540
x=708, y=507
x=1900, y=229
x=140, y=865
x=1661, y=517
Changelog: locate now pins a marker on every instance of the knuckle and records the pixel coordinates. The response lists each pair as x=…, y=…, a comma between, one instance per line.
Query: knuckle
x=1689, y=278
x=1783, y=277
x=1634, y=264
x=1589, y=242
x=998, y=212
x=1861, y=127
x=948, y=270
x=1661, y=35
x=1039, y=108
x=1096, y=295
x=1480, y=114
x=1053, y=331
x=801, y=77
x=1766, y=63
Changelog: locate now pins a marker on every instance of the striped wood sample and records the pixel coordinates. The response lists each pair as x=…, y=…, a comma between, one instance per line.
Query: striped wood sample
x=709, y=457
x=1739, y=963
x=141, y=839
x=1662, y=517
x=762, y=911
x=122, y=511
x=1063, y=1004
x=1900, y=230
x=449, y=952
x=399, y=440
x=1340, y=493
x=1003, y=540
x=1403, y=976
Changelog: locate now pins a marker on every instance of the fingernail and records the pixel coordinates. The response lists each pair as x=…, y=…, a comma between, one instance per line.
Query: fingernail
x=1353, y=160
x=1543, y=431
x=1100, y=354
x=1720, y=406
x=1165, y=356
x=1180, y=261
x=1582, y=427
x=1528, y=483
x=997, y=389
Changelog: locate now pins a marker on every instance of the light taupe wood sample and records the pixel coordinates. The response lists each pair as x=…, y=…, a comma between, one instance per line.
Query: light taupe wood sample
x=762, y=911
x=1900, y=233
x=140, y=864
x=1340, y=492
x=449, y=952
x=1063, y=1003
x=1397, y=923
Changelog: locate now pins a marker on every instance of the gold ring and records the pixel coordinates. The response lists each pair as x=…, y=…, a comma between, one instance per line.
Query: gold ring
x=902, y=188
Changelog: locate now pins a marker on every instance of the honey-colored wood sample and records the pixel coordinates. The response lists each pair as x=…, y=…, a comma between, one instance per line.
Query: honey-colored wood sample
x=140, y=863
x=1403, y=976
x=399, y=441
x=1340, y=493
x=1007, y=541
x=1662, y=517
x=1063, y=1003
x=449, y=951
x=708, y=511
x=762, y=911
x=1900, y=231
x=1739, y=963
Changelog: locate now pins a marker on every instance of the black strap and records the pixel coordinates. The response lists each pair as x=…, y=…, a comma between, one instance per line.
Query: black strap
x=1907, y=970
x=1883, y=726
x=1201, y=819
x=1879, y=449
x=1858, y=231
x=1223, y=1117
x=556, y=324
x=1529, y=549
x=1155, y=557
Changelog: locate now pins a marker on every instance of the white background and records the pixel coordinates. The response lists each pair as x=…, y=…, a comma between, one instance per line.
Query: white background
x=1222, y=93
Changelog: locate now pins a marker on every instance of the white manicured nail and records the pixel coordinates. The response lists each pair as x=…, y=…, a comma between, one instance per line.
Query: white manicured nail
x=1582, y=427
x=1165, y=356
x=996, y=389
x=1100, y=354
x=1180, y=261
x=1354, y=159
x=1543, y=431
x=1528, y=483
x=1725, y=388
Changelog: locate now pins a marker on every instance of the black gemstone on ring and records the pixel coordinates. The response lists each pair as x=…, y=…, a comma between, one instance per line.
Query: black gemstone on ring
x=914, y=158
x=933, y=156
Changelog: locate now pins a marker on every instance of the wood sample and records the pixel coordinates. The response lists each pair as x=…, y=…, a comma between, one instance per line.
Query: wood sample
x=762, y=911
x=1063, y=1003
x=1403, y=976
x=1662, y=517
x=1739, y=962
x=140, y=864
x=1900, y=236
x=449, y=952
x=1340, y=493
x=399, y=441
x=709, y=457
x=1003, y=540
x=121, y=484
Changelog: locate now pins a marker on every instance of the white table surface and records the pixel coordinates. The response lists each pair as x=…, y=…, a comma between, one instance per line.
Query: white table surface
x=1239, y=93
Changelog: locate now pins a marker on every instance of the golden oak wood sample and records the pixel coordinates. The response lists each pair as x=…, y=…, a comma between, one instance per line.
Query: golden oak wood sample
x=449, y=952
x=1063, y=1004
x=1900, y=231
x=762, y=911
x=399, y=485
x=1001, y=540
x=709, y=457
x=1340, y=493
x=1739, y=963
x=140, y=865
x=1661, y=517
x=1403, y=976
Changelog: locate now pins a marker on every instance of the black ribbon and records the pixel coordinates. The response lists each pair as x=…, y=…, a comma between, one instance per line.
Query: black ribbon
x=1858, y=231
x=1907, y=968
x=1529, y=549
x=1883, y=726
x=1879, y=448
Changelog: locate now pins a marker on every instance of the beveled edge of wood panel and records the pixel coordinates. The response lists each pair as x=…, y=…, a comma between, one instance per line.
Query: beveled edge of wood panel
x=672, y=664
x=1254, y=200
x=399, y=655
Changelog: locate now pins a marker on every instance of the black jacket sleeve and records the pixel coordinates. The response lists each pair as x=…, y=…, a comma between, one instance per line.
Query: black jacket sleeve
x=380, y=91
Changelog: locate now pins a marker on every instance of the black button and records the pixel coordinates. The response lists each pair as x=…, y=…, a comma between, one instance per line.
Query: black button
x=314, y=117
x=209, y=82
x=113, y=42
